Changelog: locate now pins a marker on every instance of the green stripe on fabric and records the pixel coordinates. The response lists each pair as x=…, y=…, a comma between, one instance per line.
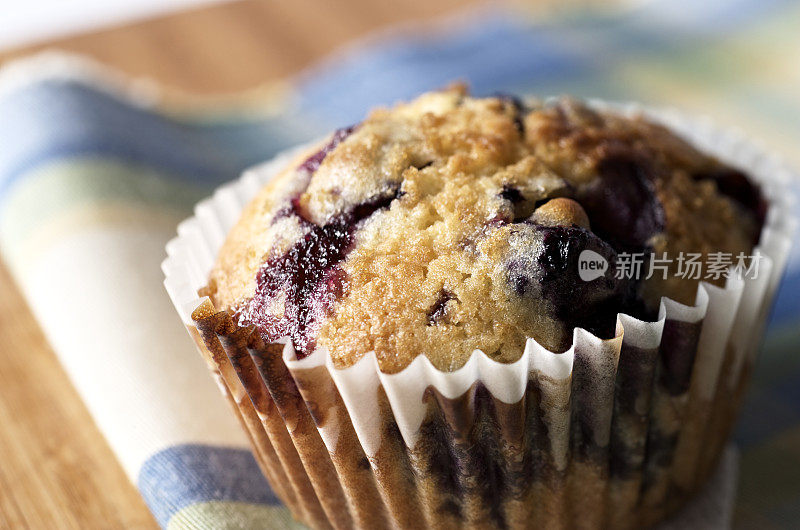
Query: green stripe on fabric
x=224, y=515
x=739, y=80
x=116, y=220
x=54, y=188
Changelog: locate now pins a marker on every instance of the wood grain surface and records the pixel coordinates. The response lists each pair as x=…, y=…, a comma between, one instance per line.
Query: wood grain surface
x=56, y=470
x=235, y=46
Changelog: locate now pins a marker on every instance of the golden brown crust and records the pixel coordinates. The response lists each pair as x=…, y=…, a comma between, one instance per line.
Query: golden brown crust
x=465, y=198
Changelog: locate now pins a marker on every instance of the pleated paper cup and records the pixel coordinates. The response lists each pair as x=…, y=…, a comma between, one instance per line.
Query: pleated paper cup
x=611, y=433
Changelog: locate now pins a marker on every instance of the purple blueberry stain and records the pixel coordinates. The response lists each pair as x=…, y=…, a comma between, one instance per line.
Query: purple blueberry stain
x=520, y=207
x=309, y=166
x=511, y=194
x=437, y=314
x=298, y=288
x=312, y=163
x=544, y=262
x=519, y=110
x=559, y=260
x=734, y=184
x=308, y=278
x=622, y=203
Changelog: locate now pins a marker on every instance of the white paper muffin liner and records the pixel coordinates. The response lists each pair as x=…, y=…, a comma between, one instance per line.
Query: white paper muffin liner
x=616, y=432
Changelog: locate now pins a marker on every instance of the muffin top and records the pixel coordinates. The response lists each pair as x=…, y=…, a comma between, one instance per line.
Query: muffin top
x=454, y=223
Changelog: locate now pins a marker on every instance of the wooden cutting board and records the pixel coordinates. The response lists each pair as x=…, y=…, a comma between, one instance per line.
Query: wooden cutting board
x=56, y=470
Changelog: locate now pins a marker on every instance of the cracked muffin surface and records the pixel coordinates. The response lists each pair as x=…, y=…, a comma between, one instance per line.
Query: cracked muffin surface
x=454, y=223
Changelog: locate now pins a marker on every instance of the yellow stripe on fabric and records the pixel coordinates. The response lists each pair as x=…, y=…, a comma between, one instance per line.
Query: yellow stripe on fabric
x=67, y=196
x=22, y=250
x=224, y=515
x=734, y=80
x=58, y=186
x=738, y=112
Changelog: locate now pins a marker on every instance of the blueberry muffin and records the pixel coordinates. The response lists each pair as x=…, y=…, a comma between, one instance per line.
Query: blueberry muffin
x=454, y=223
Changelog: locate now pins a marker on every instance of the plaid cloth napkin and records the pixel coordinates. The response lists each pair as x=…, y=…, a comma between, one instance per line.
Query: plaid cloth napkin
x=97, y=170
